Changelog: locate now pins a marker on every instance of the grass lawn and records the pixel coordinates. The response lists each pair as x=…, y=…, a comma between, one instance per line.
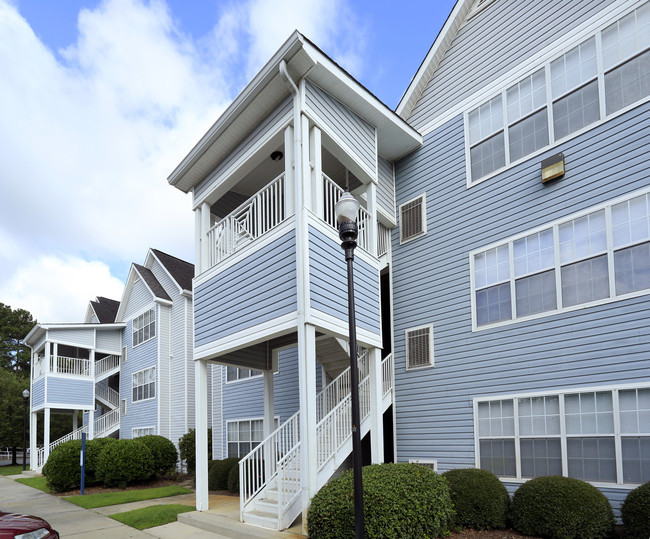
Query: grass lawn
x=35, y=482
x=113, y=498
x=11, y=470
x=156, y=515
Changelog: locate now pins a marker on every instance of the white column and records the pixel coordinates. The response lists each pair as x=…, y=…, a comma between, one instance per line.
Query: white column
x=197, y=240
x=316, y=172
x=306, y=164
x=371, y=203
x=91, y=358
x=91, y=424
x=376, y=415
x=47, y=359
x=269, y=419
x=289, y=176
x=46, y=434
x=205, y=245
x=75, y=420
x=33, y=449
x=201, y=414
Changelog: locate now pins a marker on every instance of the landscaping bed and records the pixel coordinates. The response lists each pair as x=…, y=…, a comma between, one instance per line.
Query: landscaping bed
x=182, y=480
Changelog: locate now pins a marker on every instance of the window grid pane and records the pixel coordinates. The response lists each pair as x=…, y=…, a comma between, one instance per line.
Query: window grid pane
x=488, y=156
x=583, y=237
x=576, y=110
x=493, y=304
x=534, y=253
x=631, y=221
x=526, y=96
x=627, y=83
x=540, y=457
x=528, y=135
x=592, y=459
x=574, y=68
x=636, y=459
x=536, y=293
x=485, y=120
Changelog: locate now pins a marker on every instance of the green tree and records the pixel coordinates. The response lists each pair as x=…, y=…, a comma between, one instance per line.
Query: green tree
x=12, y=385
x=15, y=324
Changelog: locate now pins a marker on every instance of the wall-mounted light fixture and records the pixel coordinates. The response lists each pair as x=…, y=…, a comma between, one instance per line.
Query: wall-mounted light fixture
x=553, y=167
x=277, y=155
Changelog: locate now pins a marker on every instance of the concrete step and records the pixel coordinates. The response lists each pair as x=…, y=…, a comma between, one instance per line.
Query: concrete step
x=222, y=525
x=266, y=505
x=261, y=518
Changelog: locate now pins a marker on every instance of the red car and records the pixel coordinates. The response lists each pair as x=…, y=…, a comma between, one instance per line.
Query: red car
x=17, y=526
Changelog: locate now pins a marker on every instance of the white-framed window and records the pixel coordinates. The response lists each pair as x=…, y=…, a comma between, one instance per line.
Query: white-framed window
x=144, y=327
x=142, y=431
x=413, y=219
x=234, y=373
x=144, y=384
x=605, y=73
x=601, y=435
x=432, y=464
x=599, y=255
x=419, y=347
x=244, y=435
x=123, y=407
x=124, y=354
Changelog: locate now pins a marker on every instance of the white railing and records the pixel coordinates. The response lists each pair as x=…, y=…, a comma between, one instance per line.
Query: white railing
x=39, y=367
x=106, y=364
x=108, y=394
x=74, y=435
x=338, y=388
x=260, y=465
x=289, y=482
x=70, y=365
x=383, y=239
x=106, y=422
x=252, y=219
x=332, y=194
x=387, y=374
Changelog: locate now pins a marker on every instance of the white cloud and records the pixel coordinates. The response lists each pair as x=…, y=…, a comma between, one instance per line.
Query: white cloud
x=58, y=289
x=89, y=135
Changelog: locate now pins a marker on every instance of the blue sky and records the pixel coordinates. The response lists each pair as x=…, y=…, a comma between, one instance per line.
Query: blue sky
x=101, y=99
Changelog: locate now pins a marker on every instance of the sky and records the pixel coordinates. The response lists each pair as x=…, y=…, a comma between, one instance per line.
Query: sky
x=101, y=99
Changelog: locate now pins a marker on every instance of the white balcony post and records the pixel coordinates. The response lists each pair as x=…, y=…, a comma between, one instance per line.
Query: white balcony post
x=269, y=419
x=91, y=357
x=33, y=449
x=376, y=415
x=91, y=424
x=205, y=244
x=201, y=414
x=46, y=434
x=198, y=236
x=75, y=420
x=306, y=165
x=371, y=228
x=316, y=172
x=47, y=356
x=289, y=176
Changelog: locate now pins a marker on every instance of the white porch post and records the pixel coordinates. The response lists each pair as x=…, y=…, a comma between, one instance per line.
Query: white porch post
x=269, y=419
x=55, y=354
x=75, y=420
x=376, y=415
x=197, y=240
x=371, y=203
x=91, y=358
x=289, y=176
x=306, y=164
x=46, y=358
x=91, y=424
x=316, y=172
x=201, y=414
x=205, y=245
x=33, y=432
x=46, y=434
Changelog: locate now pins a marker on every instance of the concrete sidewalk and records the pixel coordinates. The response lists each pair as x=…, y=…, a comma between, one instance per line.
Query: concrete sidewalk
x=220, y=522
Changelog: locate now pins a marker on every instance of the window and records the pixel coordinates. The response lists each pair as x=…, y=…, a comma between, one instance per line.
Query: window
x=412, y=218
x=519, y=121
x=234, y=373
x=144, y=327
x=124, y=354
x=144, y=384
x=123, y=407
x=142, y=431
x=601, y=436
x=419, y=347
x=244, y=436
x=596, y=256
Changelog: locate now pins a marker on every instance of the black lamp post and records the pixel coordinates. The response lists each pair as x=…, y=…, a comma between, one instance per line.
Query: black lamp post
x=346, y=213
x=25, y=401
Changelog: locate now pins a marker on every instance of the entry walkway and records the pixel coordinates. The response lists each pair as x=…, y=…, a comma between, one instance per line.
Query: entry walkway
x=220, y=522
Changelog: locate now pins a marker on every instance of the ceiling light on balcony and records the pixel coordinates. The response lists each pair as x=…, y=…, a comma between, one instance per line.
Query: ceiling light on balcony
x=277, y=155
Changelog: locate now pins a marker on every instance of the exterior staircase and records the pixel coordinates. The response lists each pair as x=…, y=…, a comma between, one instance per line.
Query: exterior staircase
x=269, y=476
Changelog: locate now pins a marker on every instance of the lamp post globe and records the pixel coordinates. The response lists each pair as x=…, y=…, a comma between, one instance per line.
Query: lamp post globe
x=25, y=401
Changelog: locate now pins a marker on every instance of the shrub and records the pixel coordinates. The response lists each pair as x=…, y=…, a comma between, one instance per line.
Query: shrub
x=124, y=462
x=94, y=448
x=62, y=468
x=187, y=448
x=219, y=471
x=635, y=513
x=561, y=507
x=163, y=452
x=400, y=500
x=233, y=480
x=480, y=500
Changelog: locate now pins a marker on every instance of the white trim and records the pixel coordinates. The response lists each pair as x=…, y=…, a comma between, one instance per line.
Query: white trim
x=153, y=428
x=340, y=328
x=576, y=36
x=123, y=406
x=156, y=382
x=155, y=323
x=424, y=462
x=423, y=216
x=431, y=344
x=250, y=420
x=557, y=266
x=251, y=377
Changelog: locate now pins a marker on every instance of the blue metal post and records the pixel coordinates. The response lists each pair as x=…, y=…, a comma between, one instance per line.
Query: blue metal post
x=83, y=461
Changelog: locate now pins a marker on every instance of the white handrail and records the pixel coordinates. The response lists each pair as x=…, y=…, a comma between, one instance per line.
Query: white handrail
x=383, y=239
x=39, y=367
x=259, y=214
x=106, y=422
x=70, y=365
x=338, y=388
x=106, y=364
x=387, y=374
x=74, y=435
x=289, y=480
x=108, y=394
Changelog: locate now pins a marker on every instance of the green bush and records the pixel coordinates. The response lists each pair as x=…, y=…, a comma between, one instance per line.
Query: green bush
x=124, y=462
x=635, y=513
x=218, y=472
x=187, y=448
x=62, y=468
x=165, y=456
x=233, y=480
x=480, y=500
x=562, y=508
x=94, y=448
x=400, y=500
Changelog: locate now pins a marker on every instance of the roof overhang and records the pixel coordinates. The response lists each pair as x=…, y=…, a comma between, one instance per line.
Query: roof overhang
x=41, y=329
x=303, y=59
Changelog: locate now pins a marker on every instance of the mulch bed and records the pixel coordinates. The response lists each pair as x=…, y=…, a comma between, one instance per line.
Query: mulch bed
x=182, y=480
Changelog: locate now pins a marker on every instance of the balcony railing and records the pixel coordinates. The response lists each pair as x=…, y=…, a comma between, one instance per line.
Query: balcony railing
x=70, y=365
x=39, y=367
x=383, y=239
x=106, y=364
x=258, y=215
x=332, y=194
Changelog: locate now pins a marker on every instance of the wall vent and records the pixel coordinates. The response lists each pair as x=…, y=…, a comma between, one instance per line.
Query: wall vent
x=419, y=347
x=412, y=219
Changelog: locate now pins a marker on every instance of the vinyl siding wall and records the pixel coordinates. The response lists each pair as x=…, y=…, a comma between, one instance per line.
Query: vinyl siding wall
x=598, y=345
x=110, y=341
x=256, y=289
x=84, y=338
x=386, y=188
x=69, y=391
x=38, y=393
x=499, y=47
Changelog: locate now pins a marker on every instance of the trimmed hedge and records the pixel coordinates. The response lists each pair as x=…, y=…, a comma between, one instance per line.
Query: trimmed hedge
x=218, y=472
x=233, y=480
x=165, y=456
x=187, y=448
x=400, y=500
x=480, y=500
x=562, y=508
x=62, y=468
x=124, y=462
x=635, y=513
x=94, y=449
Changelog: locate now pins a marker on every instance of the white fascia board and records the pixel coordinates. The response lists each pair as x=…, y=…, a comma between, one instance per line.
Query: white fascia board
x=433, y=57
x=151, y=256
x=127, y=291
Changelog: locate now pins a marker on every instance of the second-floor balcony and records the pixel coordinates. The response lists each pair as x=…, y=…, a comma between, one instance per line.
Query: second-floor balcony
x=75, y=366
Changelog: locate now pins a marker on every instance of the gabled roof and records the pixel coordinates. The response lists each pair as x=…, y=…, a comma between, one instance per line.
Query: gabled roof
x=181, y=271
x=105, y=309
x=434, y=56
x=152, y=283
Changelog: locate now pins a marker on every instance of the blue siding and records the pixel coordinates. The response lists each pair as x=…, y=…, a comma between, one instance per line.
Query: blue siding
x=599, y=345
x=257, y=289
x=70, y=391
x=386, y=187
x=38, y=392
x=328, y=283
x=81, y=337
